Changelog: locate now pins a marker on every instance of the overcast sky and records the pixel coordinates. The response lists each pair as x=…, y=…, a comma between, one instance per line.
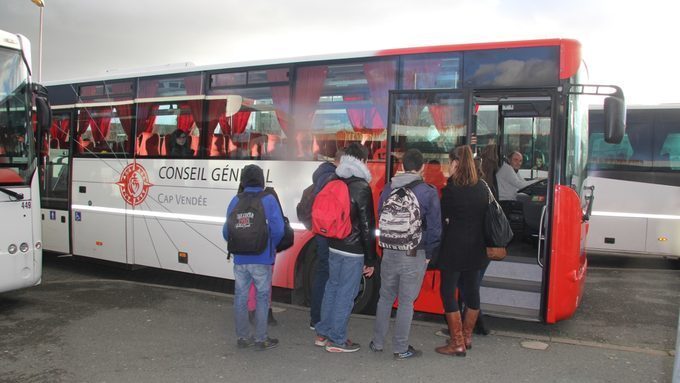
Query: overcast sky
x=634, y=46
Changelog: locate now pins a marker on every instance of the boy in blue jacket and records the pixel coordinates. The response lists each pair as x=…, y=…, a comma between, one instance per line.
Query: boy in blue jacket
x=256, y=268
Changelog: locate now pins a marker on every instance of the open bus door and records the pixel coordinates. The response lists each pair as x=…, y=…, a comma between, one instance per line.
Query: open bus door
x=503, y=123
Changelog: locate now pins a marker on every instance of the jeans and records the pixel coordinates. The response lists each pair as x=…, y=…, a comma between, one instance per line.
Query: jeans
x=400, y=276
x=261, y=276
x=341, y=289
x=320, y=278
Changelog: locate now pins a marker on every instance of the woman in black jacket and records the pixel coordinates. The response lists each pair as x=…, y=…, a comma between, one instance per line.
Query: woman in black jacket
x=463, y=253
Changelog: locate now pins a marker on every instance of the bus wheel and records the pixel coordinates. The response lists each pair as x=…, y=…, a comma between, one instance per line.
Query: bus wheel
x=365, y=301
x=367, y=298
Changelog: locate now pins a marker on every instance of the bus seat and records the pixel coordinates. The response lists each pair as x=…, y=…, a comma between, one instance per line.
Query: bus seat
x=194, y=142
x=217, y=146
x=85, y=146
x=164, y=145
x=141, y=143
x=152, y=145
x=380, y=154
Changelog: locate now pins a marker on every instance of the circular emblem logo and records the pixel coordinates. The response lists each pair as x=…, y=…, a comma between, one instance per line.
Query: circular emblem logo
x=134, y=184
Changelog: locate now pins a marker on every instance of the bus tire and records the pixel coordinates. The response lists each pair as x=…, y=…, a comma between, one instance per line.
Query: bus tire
x=369, y=292
x=365, y=301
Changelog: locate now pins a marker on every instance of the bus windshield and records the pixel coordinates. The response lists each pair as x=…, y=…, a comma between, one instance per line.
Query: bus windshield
x=16, y=151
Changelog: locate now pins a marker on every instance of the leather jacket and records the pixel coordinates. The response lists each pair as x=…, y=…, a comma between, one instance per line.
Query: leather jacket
x=362, y=238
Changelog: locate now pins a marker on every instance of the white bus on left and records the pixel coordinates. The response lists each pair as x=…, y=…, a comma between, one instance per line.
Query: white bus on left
x=21, y=103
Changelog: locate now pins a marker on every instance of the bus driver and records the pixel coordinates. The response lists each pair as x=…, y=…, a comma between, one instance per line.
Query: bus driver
x=509, y=181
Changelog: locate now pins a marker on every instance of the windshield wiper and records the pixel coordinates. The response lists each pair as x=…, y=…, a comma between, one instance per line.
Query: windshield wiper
x=12, y=193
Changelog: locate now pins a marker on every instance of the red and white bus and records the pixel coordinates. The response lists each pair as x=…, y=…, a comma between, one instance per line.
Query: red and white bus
x=20, y=243
x=641, y=179
x=115, y=192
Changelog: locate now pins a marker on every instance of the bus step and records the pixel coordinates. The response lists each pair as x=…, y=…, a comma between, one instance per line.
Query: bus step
x=503, y=311
x=512, y=299
x=509, y=269
x=511, y=284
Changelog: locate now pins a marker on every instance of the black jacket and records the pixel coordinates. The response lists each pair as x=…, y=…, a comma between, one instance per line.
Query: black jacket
x=463, y=247
x=362, y=238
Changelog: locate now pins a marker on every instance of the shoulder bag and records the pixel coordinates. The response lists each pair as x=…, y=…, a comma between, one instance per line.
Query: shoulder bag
x=497, y=231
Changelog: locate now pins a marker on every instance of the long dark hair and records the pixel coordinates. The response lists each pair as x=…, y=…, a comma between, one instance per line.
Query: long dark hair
x=466, y=172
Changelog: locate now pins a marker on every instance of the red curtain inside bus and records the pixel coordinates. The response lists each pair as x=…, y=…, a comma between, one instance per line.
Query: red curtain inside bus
x=381, y=77
x=59, y=133
x=308, y=87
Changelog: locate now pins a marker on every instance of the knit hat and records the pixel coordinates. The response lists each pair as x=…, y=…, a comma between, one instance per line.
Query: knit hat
x=252, y=175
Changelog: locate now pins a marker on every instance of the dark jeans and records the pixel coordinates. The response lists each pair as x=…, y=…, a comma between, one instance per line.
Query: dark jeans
x=320, y=278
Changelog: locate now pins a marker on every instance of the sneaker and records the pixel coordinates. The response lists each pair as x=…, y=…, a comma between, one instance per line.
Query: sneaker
x=267, y=344
x=312, y=326
x=320, y=341
x=245, y=343
x=374, y=348
x=348, y=346
x=409, y=353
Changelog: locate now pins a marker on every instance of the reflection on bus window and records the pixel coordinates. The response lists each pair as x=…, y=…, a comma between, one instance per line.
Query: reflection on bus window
x=340, y=104
x=433, y=123
x=651, y=142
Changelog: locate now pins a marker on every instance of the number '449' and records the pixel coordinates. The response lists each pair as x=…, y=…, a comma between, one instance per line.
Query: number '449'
x=26, y=205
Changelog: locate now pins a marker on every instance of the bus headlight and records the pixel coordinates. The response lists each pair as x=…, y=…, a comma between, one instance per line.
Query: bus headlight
x=12, y=248
x=23, y=247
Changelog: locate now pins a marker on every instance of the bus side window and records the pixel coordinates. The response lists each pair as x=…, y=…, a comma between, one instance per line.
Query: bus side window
x=670, y=152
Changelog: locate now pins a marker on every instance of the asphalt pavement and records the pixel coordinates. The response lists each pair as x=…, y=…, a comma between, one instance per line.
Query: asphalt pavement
x=91, y=323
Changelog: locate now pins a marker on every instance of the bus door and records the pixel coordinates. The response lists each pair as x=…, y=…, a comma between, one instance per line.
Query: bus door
x=55, y=180
x=99, y=216
x=503, y=124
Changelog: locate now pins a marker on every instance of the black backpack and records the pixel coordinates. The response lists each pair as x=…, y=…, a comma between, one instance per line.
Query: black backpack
x=304, y=207
x=247, y=225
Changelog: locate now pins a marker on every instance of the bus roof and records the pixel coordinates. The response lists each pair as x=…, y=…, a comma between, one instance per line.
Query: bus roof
x=568, y=46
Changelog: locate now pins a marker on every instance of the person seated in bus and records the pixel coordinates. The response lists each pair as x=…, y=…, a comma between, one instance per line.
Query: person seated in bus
x=180, y=148
x=539, y=161
x=508, y=179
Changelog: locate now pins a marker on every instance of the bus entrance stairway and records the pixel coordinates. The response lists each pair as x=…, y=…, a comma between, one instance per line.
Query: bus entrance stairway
x=511, y=288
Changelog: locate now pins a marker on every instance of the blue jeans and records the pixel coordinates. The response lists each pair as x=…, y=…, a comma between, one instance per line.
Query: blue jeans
x=341, y=289
x=400, y=276
x=261, y=277
x=320, y=278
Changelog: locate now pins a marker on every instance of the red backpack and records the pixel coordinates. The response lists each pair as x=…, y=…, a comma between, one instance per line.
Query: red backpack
x=331, y=211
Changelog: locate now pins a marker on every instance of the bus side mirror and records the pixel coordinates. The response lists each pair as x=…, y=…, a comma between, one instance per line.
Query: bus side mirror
x=42, y=107
x=614, y=120
x=44, y=113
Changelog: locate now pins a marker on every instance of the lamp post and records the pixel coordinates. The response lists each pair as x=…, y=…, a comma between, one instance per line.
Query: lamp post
x=41, y=4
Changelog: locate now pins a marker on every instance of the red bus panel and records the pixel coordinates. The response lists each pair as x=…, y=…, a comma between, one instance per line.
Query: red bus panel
x=568, y=263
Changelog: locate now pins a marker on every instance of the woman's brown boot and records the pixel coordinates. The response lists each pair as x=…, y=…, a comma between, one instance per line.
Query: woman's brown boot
x=469, y=325
x=456, y=345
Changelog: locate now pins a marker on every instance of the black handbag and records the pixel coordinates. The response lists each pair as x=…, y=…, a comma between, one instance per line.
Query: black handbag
x=497, y=231
x=288, y=232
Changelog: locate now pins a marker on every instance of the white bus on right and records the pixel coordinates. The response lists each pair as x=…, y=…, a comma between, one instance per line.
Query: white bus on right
x=638, y=184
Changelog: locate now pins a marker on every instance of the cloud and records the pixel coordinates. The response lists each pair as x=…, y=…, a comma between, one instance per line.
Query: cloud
x=624, y=43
